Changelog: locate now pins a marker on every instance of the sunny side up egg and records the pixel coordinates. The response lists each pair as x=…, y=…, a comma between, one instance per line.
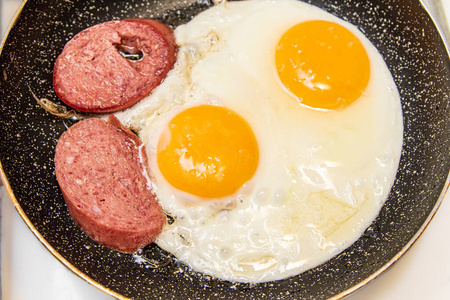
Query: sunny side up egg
x=264, y=179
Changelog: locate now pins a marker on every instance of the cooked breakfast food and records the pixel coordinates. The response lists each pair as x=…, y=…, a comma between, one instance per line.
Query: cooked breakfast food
x=101, y=170
x=111, y=66
x=273, y=142
x=321, y=119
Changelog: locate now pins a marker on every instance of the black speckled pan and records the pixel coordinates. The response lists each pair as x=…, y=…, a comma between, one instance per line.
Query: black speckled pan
x=401, y=30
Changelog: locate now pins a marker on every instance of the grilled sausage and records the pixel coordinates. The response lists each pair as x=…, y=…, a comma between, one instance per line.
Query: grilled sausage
x=101, y=168
x=112, y=65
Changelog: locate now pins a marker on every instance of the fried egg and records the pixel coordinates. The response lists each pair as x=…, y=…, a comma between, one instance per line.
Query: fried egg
x=274, y=141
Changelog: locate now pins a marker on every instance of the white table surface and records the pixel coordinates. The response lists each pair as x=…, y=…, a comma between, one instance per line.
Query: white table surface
x=30, y=272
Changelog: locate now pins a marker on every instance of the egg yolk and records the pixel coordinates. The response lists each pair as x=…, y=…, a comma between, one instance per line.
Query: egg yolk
x=208, y=151
x=322, y=64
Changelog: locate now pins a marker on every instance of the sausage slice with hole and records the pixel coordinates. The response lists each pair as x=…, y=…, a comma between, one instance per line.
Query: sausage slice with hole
x=101, y=168
x=111, y=66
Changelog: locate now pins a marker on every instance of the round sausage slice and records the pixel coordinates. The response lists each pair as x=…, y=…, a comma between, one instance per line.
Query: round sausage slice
x=101, y=170
x=112, y=65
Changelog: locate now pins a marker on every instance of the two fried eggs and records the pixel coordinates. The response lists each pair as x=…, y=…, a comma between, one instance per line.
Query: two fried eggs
x=274, y=141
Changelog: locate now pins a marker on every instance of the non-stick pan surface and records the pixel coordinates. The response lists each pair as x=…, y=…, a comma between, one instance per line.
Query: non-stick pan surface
x=401, y=30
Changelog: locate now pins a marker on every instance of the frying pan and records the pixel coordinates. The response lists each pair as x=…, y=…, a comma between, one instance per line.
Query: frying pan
x=401, y=30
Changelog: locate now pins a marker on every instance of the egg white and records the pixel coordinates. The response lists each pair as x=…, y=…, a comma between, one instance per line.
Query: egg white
x=322, y=176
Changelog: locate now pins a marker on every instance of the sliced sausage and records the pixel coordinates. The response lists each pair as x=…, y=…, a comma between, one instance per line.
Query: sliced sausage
x=112, y=65
x=102, y=172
